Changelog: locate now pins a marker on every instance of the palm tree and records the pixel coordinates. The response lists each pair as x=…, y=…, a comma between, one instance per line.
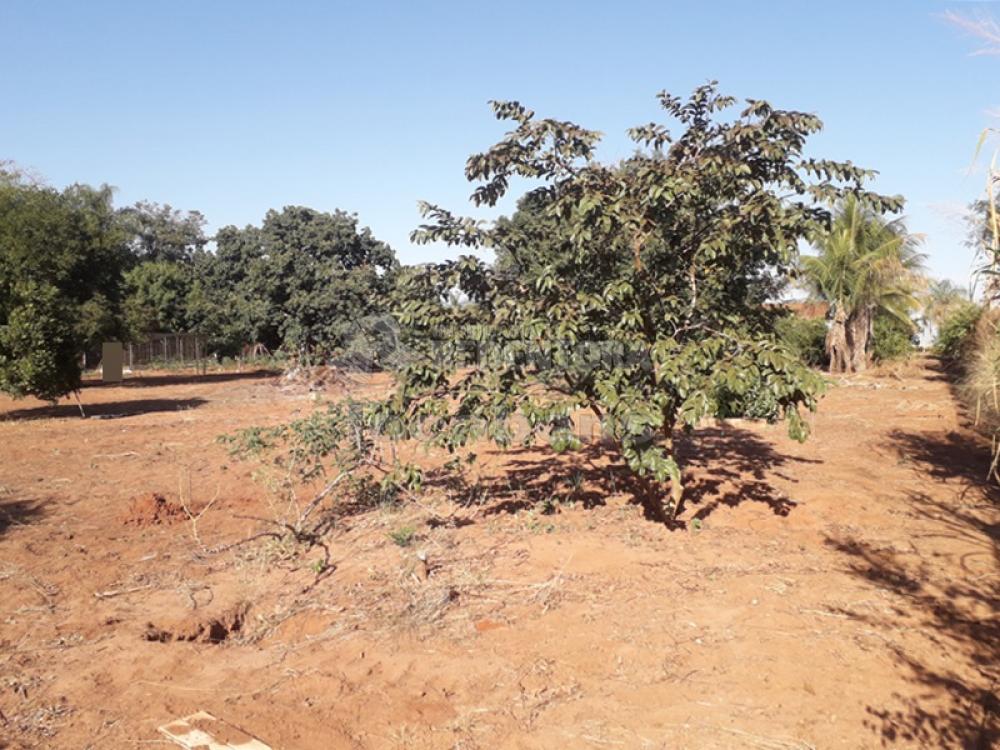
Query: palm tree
x=941, y=297
x=864, y=266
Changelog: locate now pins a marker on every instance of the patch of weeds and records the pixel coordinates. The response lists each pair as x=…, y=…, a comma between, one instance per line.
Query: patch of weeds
x=576, y=481
x=696, y=524
x=536, y=526
x=403, y=536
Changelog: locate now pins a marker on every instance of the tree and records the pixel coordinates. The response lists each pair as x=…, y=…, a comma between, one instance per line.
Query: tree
x=329, y=275
x=940, y=299
x=160, y=233
x=230, y=298
x=157, y=295
x=301, y=281
x=39, y=355
x=61, y=261
x=864, y=265
x=645, y=305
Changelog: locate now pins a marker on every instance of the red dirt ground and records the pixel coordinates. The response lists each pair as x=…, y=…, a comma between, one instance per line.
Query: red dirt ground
x=837, y=594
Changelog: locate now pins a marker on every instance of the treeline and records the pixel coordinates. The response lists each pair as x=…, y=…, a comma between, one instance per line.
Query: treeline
x=296, y=282
x=75, y=271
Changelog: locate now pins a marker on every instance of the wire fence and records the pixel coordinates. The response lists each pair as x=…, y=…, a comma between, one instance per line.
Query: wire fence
x=165, y=350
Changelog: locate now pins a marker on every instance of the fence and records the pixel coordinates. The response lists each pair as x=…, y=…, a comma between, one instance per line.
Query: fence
x=161, y=349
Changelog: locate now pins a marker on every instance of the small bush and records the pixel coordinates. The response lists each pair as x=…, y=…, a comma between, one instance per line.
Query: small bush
x=955, y=338
x=756, y=403
x=891, y=339
x=404, y=536
x=804, y=337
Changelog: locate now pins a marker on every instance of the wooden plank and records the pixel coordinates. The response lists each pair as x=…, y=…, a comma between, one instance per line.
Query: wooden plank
x=202, y=731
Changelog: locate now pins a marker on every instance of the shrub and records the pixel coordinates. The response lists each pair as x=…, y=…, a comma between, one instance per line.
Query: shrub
x=38, y=349
x=806, y=338
x=403, y=537
x=891, y=339
x=757, y=402
x=955, y=336
x=644, y=304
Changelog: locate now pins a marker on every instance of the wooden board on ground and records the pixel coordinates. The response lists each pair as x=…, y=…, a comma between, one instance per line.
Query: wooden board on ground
x=203, y=731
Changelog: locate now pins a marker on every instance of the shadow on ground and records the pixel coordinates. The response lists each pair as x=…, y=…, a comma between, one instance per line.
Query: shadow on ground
x=723, y=466
x=181, y=378
x=109, y=410
x=730, y=466
x=957, y=614
x=954, y=456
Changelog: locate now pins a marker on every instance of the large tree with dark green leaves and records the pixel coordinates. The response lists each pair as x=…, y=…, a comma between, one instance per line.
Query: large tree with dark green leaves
x=157, y=233
x=61, y=261
x=645, y=304
x=157, y=297
x=301, y=281
x=164, y=245
x=230, y=292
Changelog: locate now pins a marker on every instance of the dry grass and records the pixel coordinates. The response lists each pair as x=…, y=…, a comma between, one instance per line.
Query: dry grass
x=979, y=387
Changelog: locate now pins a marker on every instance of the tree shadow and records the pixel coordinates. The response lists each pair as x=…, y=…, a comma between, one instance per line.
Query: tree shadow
x=188, y=378
x=958, y=704
x=723, y=466
x=946, y=456
x=108, y=410
x=732, y=465
x=938, y=372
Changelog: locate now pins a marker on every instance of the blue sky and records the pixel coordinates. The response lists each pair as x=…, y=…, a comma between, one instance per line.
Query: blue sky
x=232, y=108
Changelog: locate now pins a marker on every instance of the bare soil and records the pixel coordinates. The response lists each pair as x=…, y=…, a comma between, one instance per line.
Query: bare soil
x=840, y=593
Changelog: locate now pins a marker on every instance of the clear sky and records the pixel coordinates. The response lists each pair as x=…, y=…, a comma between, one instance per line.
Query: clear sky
x=232, y=108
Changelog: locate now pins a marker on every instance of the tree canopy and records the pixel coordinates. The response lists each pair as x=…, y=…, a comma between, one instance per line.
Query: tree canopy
x=157, y=297
x=160, y=233
x=299, y=281
x=940, y=299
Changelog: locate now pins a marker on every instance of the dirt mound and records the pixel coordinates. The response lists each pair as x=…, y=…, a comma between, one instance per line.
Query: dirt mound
x=205, y=629
x=152, y=509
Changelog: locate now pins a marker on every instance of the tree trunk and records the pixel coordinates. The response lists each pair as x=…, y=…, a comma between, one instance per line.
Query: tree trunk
x=676, y=487
x=859, y=329
x=836, y=343
x=848, y=340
